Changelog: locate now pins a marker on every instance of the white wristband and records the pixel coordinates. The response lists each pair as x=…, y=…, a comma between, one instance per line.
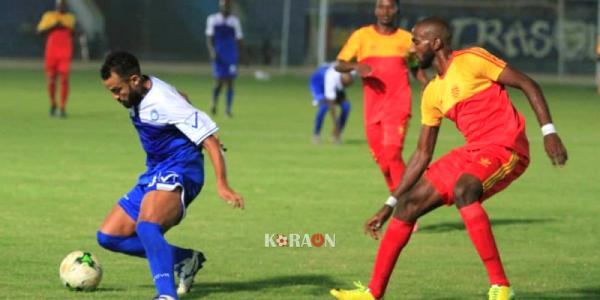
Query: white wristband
x=391, y=201
x=548, y=129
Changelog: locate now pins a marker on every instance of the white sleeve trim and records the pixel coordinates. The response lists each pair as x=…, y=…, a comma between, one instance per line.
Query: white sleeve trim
x=197, y=127
x=238, y=29
x=210, y=25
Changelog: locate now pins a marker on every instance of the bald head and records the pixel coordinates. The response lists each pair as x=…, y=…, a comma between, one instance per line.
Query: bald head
x=61, y=5
x=434, y=28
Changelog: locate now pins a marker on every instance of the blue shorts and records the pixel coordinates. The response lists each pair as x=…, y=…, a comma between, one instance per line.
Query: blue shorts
x=223, y=70
x=189, y=179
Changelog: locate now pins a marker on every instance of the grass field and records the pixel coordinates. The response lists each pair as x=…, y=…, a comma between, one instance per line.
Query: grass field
x=59, y=178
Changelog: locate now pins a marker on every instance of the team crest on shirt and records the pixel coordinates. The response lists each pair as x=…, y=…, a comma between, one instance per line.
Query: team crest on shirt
x=455, y=91
x=154, y=115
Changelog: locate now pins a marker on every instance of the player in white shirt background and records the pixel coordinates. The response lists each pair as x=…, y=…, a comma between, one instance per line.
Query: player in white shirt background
x=224, y=43
x=328, y=90
x=173, y=134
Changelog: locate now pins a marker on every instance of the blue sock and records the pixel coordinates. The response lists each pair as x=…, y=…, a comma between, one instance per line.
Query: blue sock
x=132, y=245
x=229, y=99
x=321, y=112
x=344, y=115
x=160, y=257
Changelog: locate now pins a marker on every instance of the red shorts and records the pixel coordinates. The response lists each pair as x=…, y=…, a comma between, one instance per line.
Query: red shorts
x=495, y=166
x=387, y=132
x=57, y=64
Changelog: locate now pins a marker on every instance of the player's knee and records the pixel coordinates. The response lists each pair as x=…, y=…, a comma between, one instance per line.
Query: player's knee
x=392, y=153
x=408, y=209
x=345, y=106
x=64, y=77
x=467, y=192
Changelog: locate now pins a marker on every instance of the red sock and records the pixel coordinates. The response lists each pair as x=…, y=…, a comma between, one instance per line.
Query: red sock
x=480, y=232
x=395, y=238
x=64, y=90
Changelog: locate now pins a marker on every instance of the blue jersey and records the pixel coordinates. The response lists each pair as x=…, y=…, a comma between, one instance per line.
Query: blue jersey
x=169, y=127
x=225, y=32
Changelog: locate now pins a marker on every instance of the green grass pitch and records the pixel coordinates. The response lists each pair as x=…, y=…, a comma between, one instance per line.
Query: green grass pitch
x=59, y=178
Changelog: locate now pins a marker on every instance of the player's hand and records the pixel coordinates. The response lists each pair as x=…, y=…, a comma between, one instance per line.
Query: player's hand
x=555, y=149
x=376, y=222
x=364, y=70
x=230, y=196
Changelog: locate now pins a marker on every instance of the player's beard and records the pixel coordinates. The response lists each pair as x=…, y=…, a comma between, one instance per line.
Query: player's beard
x=427, y=60
x=134, y=98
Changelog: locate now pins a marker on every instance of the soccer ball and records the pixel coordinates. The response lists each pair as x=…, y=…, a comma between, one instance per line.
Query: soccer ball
x=80, y=271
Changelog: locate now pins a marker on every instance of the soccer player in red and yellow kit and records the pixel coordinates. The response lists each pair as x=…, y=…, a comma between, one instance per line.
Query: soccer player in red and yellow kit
x=59, y=26
x=469, y=89
x=382, y=54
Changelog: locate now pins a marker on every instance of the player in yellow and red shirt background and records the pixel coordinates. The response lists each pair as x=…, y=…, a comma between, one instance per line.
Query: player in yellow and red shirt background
x=469, y=89
x=59, y=26
x=381, y=51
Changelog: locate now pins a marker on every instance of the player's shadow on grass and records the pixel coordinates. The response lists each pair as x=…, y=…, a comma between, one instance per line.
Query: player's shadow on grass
x=587, y=293
x=591, y=293
x=107, y=290
x=317, y=285
x=459, y=225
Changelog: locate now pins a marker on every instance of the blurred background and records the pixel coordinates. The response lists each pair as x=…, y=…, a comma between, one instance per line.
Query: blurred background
x=555, y=37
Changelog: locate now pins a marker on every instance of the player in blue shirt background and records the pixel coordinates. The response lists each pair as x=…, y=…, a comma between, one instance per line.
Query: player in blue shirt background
x=224, y=43
x=328, y=90
x=173, y=134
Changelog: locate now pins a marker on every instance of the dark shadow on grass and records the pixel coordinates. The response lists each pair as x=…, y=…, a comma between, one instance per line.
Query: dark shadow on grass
x=587, y=293
x=317, y=285
x=591, y=293
x=459, y=225
x=105, y=290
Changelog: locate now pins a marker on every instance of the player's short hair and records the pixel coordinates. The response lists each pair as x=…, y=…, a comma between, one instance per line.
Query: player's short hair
x=122, y=63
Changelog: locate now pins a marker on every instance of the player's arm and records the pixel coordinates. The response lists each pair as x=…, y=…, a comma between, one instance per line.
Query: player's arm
x=47, y=23
x=210, y=33
x=242, y=51
x=213, y=147
x=552, y=142
x=331, y=95
x=414, y=170
x=344, y=66
x=211, y=48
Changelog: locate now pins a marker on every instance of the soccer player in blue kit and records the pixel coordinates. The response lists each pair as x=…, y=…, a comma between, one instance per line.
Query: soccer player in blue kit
x=172, y=133
x=328, y=90
x=224, y=41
